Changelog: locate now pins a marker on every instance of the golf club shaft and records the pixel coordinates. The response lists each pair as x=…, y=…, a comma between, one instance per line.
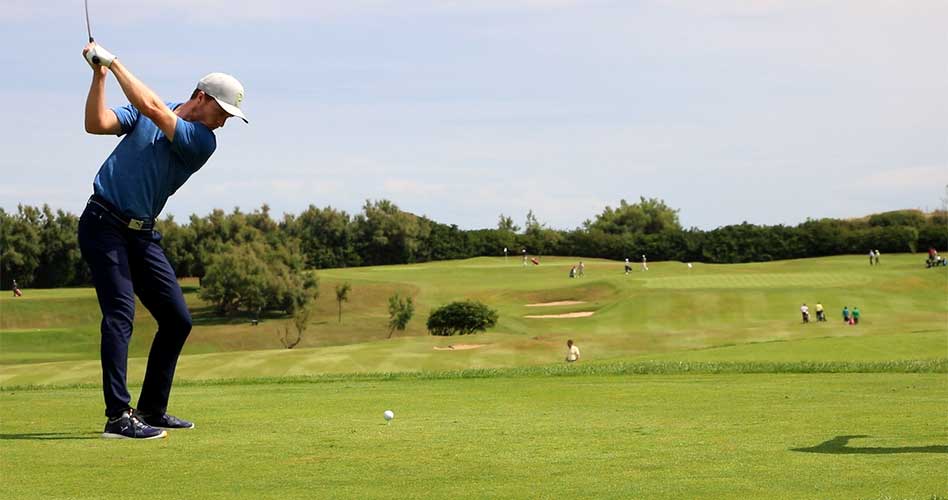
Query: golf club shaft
x=95, y=59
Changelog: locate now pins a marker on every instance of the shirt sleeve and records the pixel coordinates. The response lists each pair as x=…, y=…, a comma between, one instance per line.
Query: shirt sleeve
x=193, y=143
x=127, y=117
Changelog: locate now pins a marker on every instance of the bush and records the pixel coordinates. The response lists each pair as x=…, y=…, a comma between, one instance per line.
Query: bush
x=256, y=277
x=461, y=318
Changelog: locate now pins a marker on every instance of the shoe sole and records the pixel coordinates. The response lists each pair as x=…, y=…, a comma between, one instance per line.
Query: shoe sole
x=109, y=435
x=172, y=428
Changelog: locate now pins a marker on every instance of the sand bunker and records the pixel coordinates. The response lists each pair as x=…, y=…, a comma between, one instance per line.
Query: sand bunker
x=581, y=314
x=459, y=347
x=558, y=303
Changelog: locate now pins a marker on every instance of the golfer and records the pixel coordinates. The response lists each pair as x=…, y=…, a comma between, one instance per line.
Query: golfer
x=572, y=352
x=163, y=145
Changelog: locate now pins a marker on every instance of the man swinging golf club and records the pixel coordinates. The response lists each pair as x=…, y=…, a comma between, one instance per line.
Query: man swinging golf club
x=163, y=145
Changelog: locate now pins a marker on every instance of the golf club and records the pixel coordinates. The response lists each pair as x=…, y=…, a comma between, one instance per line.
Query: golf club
x=95, y=59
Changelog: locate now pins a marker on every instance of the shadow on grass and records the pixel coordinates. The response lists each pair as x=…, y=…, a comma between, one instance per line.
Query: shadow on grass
x=838, y=446
x=209, y=316
x=52, y=436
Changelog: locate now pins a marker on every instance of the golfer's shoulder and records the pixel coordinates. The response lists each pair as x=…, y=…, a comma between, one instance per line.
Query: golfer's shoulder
x=195, y=134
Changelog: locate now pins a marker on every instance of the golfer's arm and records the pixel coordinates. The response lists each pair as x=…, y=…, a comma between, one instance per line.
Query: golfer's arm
x=100, y=119
x=147, y=102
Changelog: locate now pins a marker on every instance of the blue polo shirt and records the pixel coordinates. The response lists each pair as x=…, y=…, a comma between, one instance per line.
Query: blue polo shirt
x=146, y=168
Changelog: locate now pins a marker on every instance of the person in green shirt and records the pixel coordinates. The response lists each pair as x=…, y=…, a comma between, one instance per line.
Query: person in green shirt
x=856, y=315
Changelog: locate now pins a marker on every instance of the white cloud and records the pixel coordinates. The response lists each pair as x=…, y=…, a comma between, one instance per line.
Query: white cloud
x=907, y=178
x=405, y=187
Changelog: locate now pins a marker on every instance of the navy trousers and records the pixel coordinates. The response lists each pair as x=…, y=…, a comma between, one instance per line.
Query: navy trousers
x=126, y=263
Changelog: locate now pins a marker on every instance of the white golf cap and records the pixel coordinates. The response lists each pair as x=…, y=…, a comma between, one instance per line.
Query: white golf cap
x=226, y=90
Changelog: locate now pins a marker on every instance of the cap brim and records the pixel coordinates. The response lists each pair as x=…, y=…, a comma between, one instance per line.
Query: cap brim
x=232, y=110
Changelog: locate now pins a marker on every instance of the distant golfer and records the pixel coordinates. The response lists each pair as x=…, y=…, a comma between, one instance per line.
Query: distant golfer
x=845, y=314
x=820, y=315
x=644, y=263
x=581, y=269
x=872, y=256
x=805, y=311
x=628, y=267
x=855, y=318
x=572, y=352
x=16, y=290
x=876, y=257
x=163, y=145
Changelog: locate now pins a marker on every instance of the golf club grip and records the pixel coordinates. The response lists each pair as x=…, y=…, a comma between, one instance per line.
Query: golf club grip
x=95, y=59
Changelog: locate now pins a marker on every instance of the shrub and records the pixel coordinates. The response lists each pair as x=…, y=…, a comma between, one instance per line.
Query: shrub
x=400, y=312
x=461, y=318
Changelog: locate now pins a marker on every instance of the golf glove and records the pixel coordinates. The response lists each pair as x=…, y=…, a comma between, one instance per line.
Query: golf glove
x=105, y=57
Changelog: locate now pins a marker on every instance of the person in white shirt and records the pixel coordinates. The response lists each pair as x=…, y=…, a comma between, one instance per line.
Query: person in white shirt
x=644, y=264
x=805, y=311
x=572, y=352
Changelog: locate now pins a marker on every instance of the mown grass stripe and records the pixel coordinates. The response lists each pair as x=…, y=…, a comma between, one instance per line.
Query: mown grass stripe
x=559, y=370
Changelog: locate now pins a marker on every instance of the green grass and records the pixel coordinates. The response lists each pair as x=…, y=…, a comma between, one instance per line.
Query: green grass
x=669, y=311
x=683, y=436
x=696, y=383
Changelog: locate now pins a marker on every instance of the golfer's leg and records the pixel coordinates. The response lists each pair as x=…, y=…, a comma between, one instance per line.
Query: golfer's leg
x=104, y=249
x=159, y=291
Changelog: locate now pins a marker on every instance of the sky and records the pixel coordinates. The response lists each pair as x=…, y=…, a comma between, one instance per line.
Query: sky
x=764, y=111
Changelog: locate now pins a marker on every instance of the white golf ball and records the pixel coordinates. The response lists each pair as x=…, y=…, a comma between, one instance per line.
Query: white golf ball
x=389, y=414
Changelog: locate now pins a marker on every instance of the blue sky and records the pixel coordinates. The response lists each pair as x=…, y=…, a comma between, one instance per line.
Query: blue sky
x=767, y=111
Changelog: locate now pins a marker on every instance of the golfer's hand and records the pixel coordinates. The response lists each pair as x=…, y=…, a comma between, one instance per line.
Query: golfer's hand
x=93, y=51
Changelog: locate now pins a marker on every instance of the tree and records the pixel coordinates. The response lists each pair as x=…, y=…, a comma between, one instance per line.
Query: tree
x=461, y=318
x=445, y=243
x=254, y=277
x=60, y=262
x=326, y=237
x=300, y=322
x=400, y=312
x=649, y=216
x=914, y=218
x=236, y=279
x=342, y=295
x=386, y=235
x=20, y=246
x=506, y=224
x=532, y=225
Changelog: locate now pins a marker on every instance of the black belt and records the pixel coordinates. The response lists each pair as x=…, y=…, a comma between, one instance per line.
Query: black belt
x=134, y=224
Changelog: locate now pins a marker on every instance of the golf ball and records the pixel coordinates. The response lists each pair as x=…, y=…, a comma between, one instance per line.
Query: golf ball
x=389, y=414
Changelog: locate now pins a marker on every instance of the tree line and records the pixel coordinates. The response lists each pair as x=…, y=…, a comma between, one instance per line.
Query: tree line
x=39, y=248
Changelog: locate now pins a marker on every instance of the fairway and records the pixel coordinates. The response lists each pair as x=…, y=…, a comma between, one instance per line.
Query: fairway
x=669, y=312
x=694, y=383
x=683, y=436
x=762, y=280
